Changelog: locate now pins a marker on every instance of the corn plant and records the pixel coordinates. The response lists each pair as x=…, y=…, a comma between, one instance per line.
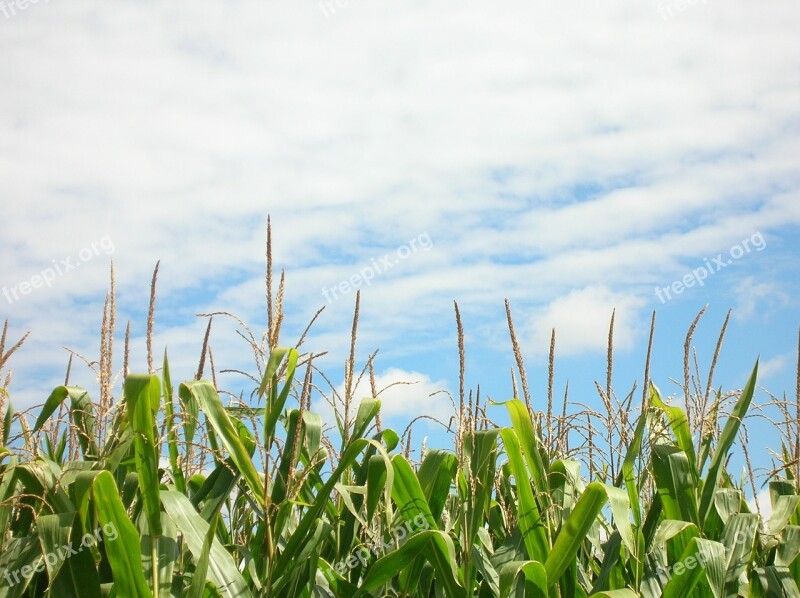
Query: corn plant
x=170, y=490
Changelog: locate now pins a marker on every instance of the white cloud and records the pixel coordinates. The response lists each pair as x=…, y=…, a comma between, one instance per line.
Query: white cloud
x=404, y=395
x=581, y=319
x=774, y=365
x=754, y=297
x=595, y=162
x=764, y=504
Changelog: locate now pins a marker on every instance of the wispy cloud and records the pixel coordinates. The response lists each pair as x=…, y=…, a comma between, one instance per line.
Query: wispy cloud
x=755, y=297
x=565, y=171
x=769, y=367
x=582, y=318
x=404, y=395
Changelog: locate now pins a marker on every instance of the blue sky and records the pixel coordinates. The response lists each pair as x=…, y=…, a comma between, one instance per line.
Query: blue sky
x=571, y=158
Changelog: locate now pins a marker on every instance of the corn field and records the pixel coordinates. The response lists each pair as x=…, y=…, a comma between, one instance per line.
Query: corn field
x=166, y=488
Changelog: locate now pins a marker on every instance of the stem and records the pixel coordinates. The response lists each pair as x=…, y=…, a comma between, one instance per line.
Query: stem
x=154, y=564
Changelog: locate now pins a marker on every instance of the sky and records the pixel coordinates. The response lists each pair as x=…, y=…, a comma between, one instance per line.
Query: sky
x=574, y=158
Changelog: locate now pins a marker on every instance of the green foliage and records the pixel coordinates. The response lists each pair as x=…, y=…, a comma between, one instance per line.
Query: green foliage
x=198, y=498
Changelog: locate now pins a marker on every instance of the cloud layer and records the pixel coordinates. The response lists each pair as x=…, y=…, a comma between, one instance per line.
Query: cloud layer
x=569, y=157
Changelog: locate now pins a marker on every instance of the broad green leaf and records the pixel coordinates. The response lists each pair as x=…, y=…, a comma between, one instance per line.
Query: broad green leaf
x=739, y=539
x=167, y=552
x=530, y=443
x=438, y=549
x=123, y=550
x=18, y=554
x=534, y=574
x=530, y=522
x=675, y=483
x=41, y=478
x=481, y=553
x=565, y=485
x=676, y=419
x=291, y=450
x=480, y=448
x=628, y=474
x=702, y=561
x=376, y=480
x=83, y=413
x=197, y=588
x=222, y=569
x=367, y=410
x=169, y=424
x=287, y=558
x=789, y=546
x=8, y=485
x=726, y=441
x=784, y=509
x=575, y=529
x=407, y=494
x=436, y=474
x=275, y=400
x=142, y=394
x=727, y=502
x=206, y=395
x=767, y=582
x=68, y=559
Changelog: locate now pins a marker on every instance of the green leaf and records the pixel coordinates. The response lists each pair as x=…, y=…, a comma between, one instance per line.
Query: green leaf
x=436, y=476
x=524, y=429
x=789, y=546
x=674, y=482
x=676, y=419
x=726, y=440
x=206, y=395
x=376, y=480
x=69, y=565
x=197, y=588
x=575, y=529
x=529, y=520
x=773, y=581
x=367, y=410
x=535, y=578
x=739, y=539
x=169, y=424
x=142, y=395
x=287, y=559
x=407, y=494
x=222, y=569
x=83, y=414
x=121, y=545
x=702, y=560
x=275, y=401
x=436, y=546
x=480, y=448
